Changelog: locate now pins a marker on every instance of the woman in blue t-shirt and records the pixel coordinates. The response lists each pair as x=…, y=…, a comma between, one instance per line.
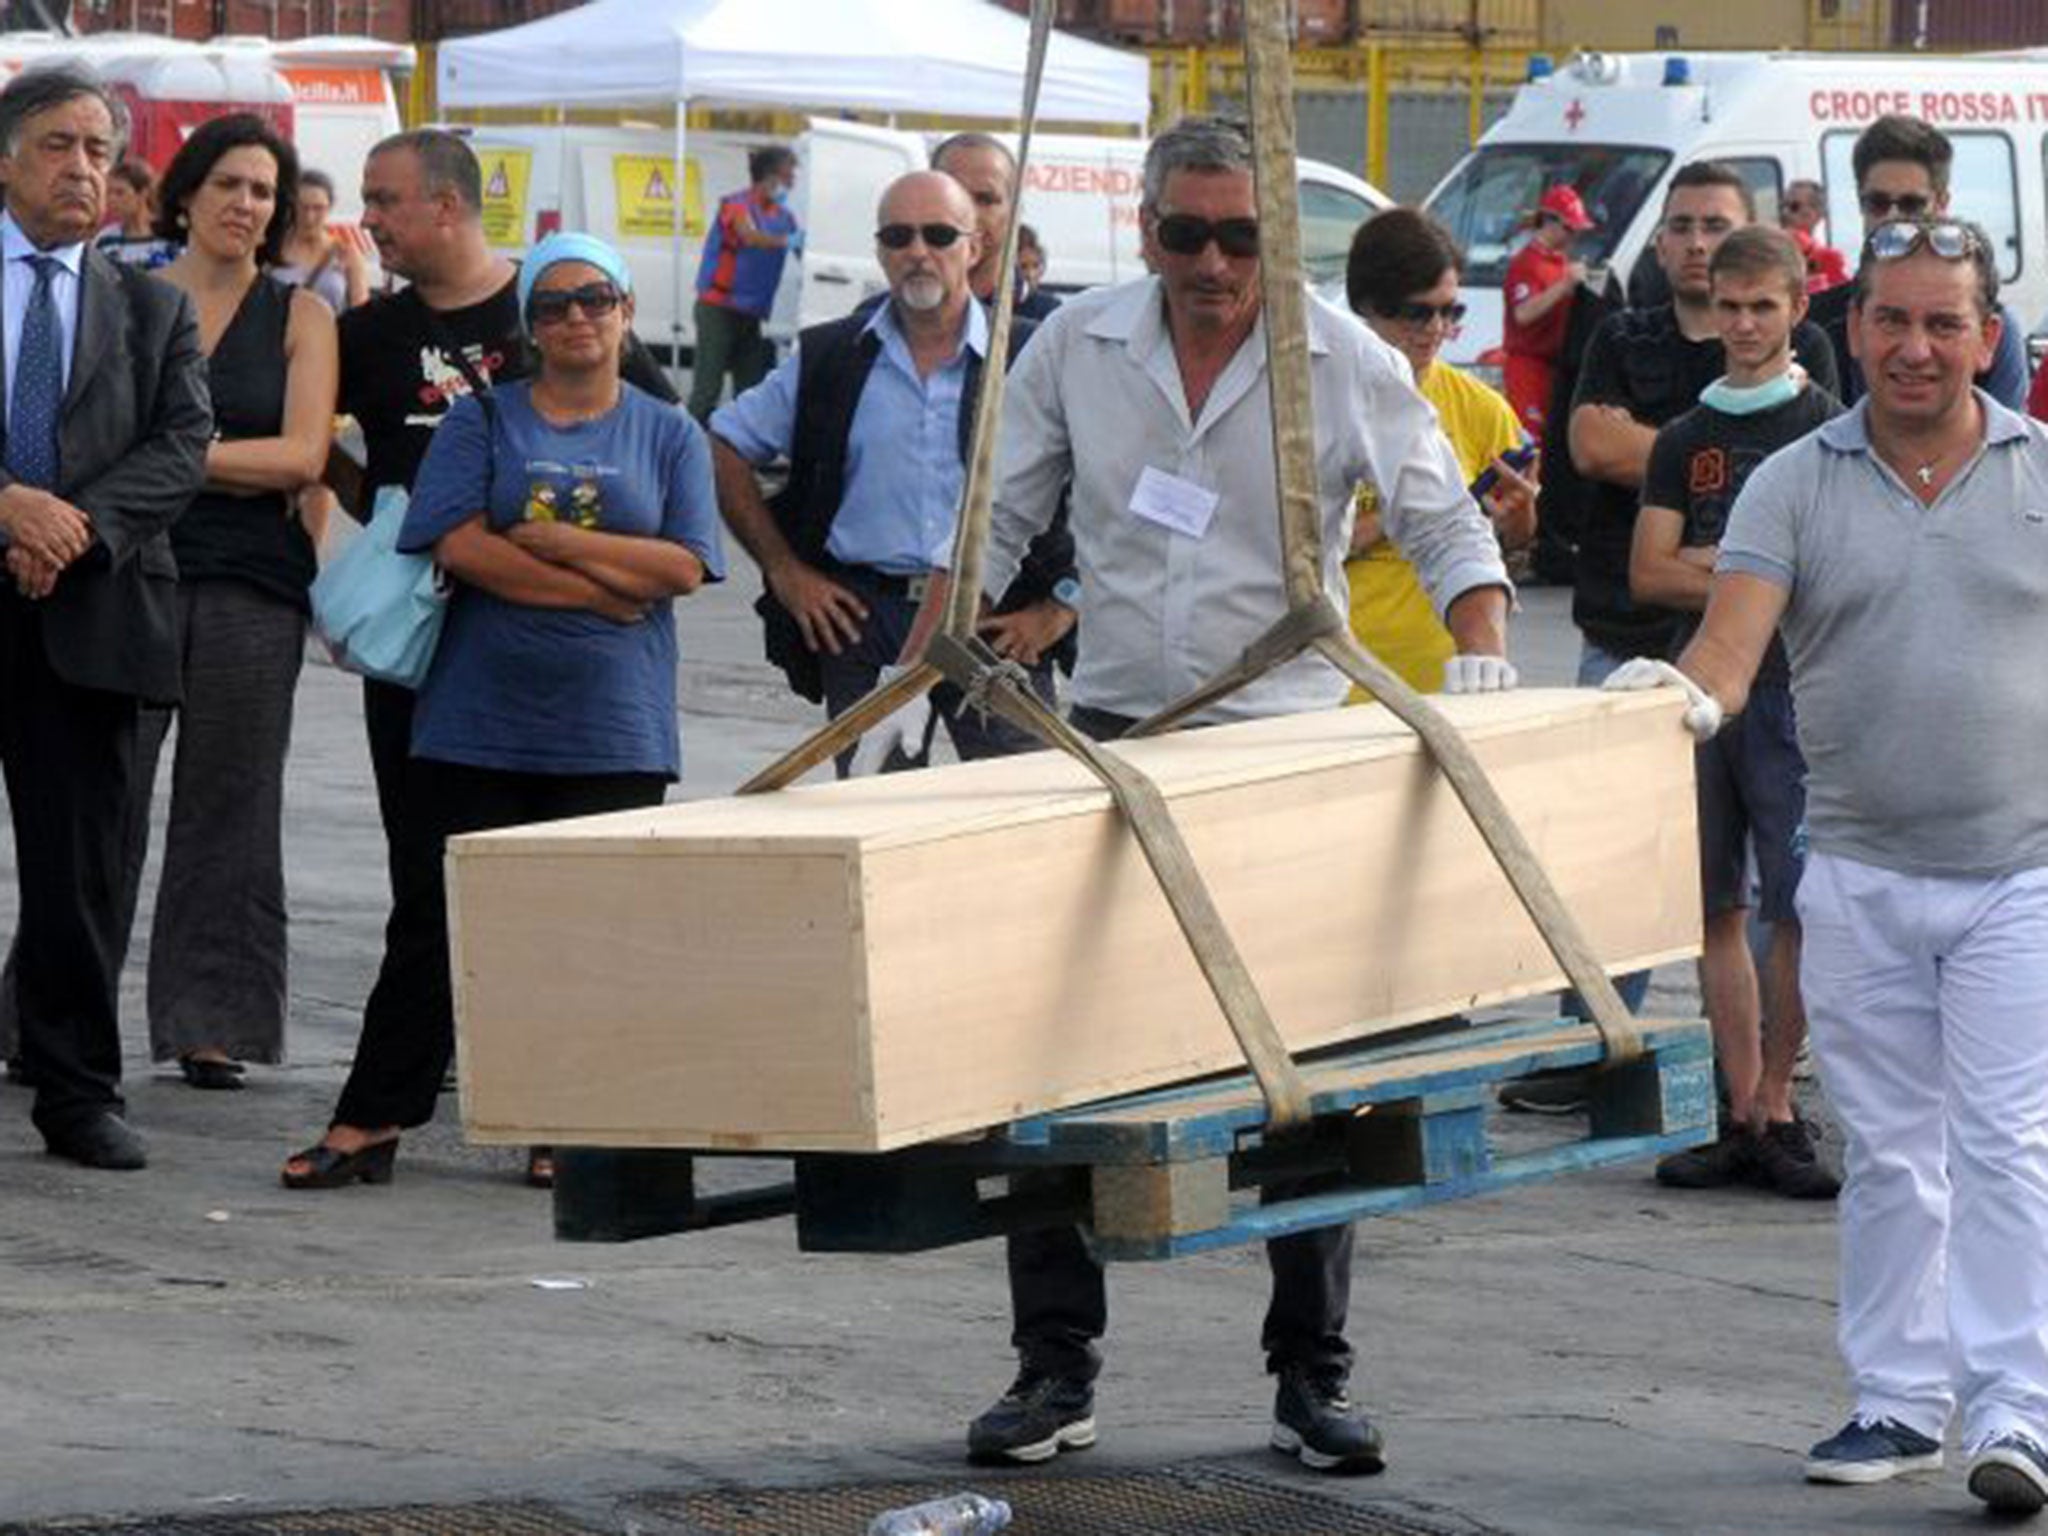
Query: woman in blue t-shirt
x=568, y=510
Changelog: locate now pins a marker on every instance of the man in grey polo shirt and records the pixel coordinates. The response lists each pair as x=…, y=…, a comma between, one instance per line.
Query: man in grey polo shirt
x=1904, y=549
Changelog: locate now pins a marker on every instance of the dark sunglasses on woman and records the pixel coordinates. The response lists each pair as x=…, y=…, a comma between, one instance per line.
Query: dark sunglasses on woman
x=550, y=306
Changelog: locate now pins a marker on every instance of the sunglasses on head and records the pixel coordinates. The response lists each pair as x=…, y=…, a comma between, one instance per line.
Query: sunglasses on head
x=550, y=305
x=1415, y=312
x=1902, y=237
x=937, y=237
x=1880, y=205
x=1184, y=234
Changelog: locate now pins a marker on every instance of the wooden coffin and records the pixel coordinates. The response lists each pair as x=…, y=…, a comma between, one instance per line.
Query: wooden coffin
x=865, y=965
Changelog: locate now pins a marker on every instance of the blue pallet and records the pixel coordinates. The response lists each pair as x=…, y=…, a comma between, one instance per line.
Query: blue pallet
x=1177, y=1170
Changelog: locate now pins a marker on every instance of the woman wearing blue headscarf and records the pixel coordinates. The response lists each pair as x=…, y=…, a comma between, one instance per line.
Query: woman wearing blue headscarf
x=568, y=510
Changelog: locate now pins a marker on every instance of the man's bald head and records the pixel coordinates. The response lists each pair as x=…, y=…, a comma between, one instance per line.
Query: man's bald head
x=926, y=242
x=920, y=197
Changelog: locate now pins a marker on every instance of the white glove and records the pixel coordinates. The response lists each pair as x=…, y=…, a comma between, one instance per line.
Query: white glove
x=1703, y=710
x=1479, y=674
x=903, y=732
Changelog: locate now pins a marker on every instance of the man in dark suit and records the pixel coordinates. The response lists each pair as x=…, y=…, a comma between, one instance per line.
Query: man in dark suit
x=106, y=427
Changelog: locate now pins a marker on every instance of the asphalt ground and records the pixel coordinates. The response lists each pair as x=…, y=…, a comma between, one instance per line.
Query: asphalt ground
x=194, y=1348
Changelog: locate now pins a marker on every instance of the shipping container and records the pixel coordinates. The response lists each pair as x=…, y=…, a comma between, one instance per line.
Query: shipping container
x=1956, y=26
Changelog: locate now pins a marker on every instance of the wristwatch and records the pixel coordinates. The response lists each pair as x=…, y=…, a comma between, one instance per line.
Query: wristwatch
x=1067, y=593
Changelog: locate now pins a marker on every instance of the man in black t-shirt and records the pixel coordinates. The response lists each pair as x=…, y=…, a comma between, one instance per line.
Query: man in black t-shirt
x=1644, y=367
x=1751, y=777
x=407, y=357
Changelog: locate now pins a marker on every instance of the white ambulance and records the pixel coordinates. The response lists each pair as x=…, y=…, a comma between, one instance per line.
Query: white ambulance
x=1081, y=194
x=1615, y=127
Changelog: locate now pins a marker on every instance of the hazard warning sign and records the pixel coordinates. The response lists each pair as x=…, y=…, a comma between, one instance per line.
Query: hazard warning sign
x=506, y=173
x=646, y=189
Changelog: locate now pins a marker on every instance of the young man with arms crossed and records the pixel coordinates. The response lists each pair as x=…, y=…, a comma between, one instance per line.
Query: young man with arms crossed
x=1752, y=780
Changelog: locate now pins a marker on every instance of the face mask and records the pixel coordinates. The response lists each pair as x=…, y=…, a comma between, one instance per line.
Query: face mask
x=1749, y=399
x=779, y=196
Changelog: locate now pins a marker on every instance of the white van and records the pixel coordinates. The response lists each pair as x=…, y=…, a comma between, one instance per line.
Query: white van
x=1081, y=194
x=1615, y=126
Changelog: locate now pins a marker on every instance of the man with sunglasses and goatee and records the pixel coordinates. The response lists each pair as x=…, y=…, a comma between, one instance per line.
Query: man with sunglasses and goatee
x=1902, y=168
x=1902, y=551
x=874, y=413
x=1147, y=404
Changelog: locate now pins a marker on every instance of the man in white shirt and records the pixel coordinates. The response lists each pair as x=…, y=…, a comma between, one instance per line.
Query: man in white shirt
x=1149, y=400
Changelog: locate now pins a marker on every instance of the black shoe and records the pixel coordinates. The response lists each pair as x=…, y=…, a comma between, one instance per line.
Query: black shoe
x=1314, y=1419
x=1040, y=1416
x=1785, y=1163
x=99, y=1140
x=211, y=1072
x=1562, y=1092
x=1729, y=1158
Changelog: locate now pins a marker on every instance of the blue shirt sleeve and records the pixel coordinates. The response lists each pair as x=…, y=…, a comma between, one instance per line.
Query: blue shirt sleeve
x=2006, y=379
x=454, y=481
x=759, y=425
x=690, y=516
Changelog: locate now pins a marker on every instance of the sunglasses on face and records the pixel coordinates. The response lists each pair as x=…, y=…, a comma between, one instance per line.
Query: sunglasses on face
x=549, y=306
x=1902, y=237
x=1881, y=205
x=1415, y=312
x=897, y=237
x=1186, y=235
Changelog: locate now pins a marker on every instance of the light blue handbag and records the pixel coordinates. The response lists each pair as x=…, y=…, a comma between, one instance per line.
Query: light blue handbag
x=379, y=610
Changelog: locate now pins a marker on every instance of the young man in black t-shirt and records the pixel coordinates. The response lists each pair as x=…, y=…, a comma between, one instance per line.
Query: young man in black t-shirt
x=1644, y=367
x=1751, y=777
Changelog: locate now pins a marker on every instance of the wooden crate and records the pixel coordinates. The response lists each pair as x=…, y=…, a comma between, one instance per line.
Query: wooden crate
x=863, y=966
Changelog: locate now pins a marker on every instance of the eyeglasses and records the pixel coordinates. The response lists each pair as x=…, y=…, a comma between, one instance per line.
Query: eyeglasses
x=1881, y=205
x=1902, y=237
x=550, y=306
x=1184, y=234
x=937, y=237
x=1415, y=312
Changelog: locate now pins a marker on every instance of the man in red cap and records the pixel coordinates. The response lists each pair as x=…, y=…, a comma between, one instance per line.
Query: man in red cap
x=1541, y=281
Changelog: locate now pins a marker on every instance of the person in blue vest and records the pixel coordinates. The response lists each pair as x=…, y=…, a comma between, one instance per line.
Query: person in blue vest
x=874, y=413
x=743, y=255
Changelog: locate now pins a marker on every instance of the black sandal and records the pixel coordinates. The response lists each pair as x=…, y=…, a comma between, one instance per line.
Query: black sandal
x=206, y=1072
x=329, y=1168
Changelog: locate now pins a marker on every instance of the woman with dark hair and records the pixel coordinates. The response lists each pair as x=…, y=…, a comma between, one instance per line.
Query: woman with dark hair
x=568, y=509
x=245, y=562
x=1402, y=280
x=318, y=258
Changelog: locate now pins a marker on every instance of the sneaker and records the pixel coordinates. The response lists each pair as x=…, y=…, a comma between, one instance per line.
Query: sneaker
x=1040, y=1416
x=1727, y=1159
x=2011, y=1475
x=1314, y=1419
x=1562, y=1092
x=1870, y=1451
x=1785, y=1163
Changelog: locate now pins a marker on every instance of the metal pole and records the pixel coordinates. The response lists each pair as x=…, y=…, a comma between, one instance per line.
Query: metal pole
x=679, y=282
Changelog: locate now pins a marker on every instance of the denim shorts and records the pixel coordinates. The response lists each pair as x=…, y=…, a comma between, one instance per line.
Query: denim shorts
x=1752, y=795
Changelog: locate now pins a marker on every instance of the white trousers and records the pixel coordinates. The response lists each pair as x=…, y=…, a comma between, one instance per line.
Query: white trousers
x=1928, y=1005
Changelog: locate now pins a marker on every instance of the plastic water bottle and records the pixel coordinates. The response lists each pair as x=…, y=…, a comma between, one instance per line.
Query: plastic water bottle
x=964, y=1514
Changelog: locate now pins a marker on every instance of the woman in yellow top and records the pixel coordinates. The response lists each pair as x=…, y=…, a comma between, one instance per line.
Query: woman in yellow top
x=1402, y=280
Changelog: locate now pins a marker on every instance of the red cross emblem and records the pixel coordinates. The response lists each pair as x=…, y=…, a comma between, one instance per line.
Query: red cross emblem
x=1574, y=115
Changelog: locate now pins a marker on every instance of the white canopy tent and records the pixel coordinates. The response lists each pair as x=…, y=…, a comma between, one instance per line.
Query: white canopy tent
x=953, y=58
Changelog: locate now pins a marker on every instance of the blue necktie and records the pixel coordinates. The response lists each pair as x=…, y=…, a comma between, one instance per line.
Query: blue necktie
x=38, y=388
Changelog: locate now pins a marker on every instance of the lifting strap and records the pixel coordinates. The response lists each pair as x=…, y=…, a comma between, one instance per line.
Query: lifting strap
x=958, y=655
